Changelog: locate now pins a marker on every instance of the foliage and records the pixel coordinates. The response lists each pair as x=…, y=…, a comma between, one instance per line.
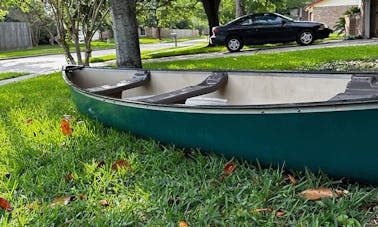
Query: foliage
x=227, y=7
x=168, y=13
x=340, y=25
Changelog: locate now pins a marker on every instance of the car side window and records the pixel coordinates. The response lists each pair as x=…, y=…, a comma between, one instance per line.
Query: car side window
x=274, y=20
x=246, y=21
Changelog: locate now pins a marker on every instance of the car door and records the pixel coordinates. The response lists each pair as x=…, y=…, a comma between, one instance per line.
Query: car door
x=245, y=28
x=270, y=28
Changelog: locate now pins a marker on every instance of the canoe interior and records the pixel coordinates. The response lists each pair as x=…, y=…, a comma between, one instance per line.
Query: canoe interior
x=241, y=88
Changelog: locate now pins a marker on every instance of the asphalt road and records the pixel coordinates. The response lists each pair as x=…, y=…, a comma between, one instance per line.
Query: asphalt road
x=40, y=65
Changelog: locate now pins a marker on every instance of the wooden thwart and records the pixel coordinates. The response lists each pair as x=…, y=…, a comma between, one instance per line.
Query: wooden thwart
x=210, y=84
x=137, y=80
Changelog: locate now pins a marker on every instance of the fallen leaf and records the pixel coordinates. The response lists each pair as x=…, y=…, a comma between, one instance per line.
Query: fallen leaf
x=61, y=200
x=173, y=201
x=279, y=213
x=183, y=224
x=341, y=192
x=292, y=179
x=120, y=164
x=229, y=168
x=34, y=205
x=104, y=203
x=68, y=177
x=66, y=129
x=83, y=197
x=318, y=193
x=4, y=204
x=261, y=210
x=29, y=121
x=100, y=164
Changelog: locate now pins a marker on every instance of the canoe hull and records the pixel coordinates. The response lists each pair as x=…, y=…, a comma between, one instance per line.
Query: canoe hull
x=339, y=140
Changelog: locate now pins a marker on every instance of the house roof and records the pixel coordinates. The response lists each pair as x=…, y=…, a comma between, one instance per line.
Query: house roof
x=312, y=4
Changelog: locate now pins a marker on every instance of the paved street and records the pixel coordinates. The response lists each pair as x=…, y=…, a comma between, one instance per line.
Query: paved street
x=40, y=65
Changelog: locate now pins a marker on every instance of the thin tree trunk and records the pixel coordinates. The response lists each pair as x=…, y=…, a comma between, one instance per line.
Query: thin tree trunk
x=211, y=9
x=239, y=9
x=125, y=29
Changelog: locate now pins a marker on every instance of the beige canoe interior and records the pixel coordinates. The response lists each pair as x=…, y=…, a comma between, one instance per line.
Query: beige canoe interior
x=242, y=88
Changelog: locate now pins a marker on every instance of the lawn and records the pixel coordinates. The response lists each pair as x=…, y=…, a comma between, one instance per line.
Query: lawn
x=9, y=75
x=301, y=60
x=98, y=176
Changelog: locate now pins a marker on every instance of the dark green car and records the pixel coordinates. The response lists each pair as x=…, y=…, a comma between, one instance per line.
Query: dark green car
x=262, y=28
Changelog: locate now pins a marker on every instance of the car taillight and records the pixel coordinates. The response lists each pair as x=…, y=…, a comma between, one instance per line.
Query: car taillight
x=214, y=30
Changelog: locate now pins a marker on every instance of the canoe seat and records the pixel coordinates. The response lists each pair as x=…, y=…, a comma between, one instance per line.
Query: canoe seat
x=139, y=79
x=360, y=87
x=210, y=84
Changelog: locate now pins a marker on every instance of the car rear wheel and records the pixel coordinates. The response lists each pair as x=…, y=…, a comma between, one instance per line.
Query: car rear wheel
x=234, y=44
x=305, y=37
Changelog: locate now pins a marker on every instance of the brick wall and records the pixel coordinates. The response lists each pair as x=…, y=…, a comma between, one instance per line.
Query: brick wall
x=329, y=15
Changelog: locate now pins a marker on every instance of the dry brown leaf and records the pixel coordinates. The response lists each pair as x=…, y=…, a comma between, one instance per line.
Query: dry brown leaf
x=280, y=213
x=104, y=203
x=34, y=205
x=341, y=192
x=29, y=121
x=120, y=164
x=83, y=197
x=66, y=129
x=183, y=224
x=61, y=200
x=100, y=164
x=68, y=177
x=261, y=210
x=4, y=204
x=318, y=193
x=229, y=168
x=292, y=179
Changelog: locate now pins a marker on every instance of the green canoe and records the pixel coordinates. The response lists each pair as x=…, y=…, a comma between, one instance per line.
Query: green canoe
x=321, y=121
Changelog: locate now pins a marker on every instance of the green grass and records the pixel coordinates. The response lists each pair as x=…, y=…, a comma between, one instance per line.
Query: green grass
x=165, y=184
x=50, y=49
x=9, y=75
x=302, y=60
x=166, y=52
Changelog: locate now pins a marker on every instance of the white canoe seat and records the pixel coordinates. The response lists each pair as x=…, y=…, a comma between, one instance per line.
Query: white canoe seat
x=359, y=87
x=139, y=79
x=210, y=84
x=206, y=101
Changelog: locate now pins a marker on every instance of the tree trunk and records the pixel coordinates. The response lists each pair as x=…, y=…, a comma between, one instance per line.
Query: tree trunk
x=239, y=8
x=125, y=29
x=211, y=9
